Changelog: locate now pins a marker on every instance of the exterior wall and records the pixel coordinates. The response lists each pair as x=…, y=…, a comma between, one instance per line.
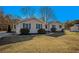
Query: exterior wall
x=33, y=23
x=14, y=24
x=33, y=26
x=57, y=26
x=18, y=27
x=74, y=28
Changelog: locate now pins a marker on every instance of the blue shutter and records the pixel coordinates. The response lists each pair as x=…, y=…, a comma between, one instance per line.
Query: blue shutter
x=41, y=26
x=38, y=26
x=29, y=26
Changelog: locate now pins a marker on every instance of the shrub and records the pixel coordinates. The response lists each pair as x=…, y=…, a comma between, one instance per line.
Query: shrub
x=53, y=29
x=41, y=31
x=62, y=30
x=24, y=31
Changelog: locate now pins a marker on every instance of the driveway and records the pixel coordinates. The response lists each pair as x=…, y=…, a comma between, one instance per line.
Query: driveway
x=4, y=34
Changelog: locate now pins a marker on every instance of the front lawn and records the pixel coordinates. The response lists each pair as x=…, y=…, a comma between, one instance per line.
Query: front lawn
x=42, y=43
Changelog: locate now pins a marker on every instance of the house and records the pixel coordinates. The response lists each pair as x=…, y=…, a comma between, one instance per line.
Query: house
x=34, y=25
x=55, y=24
x=75, y=27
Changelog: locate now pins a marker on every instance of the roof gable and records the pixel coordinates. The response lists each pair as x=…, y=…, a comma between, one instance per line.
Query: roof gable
x=53, y=22
x=35, y=19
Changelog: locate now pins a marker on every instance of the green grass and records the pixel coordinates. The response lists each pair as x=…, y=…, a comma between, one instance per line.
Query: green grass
x=45, y=43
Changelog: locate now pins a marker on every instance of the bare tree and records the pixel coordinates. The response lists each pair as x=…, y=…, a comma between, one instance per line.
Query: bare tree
x=27, y=12
x=46, y=13
x=1, y=10
x=1, y=13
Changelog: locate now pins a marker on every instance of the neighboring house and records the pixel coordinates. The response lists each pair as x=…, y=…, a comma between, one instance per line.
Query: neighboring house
x=15, y=22
x=32, y=24
x=75, y=27
x=56, y=25
x=4, y=23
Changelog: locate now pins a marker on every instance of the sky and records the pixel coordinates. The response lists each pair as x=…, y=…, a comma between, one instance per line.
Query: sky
x=62, y=13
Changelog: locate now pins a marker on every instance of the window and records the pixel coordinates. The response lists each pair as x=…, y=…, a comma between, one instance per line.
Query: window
x=27, y=26
x=38, y=26
x=23, y=25
x=53, y=26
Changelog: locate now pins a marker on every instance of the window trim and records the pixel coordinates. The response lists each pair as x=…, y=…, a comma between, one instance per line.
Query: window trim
x=38, y=26
x=25, y=25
